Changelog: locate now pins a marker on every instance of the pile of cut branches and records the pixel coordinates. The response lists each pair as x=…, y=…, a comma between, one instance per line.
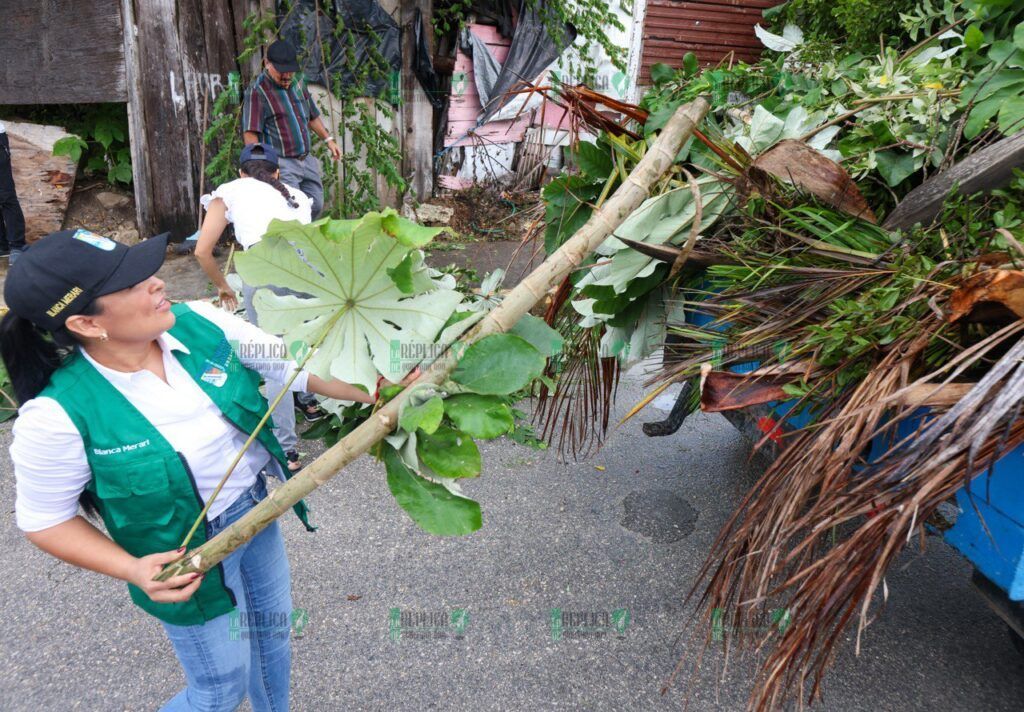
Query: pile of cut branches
x=775, y=263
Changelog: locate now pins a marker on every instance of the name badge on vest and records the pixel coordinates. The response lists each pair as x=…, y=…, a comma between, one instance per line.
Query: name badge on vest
x=214, y=375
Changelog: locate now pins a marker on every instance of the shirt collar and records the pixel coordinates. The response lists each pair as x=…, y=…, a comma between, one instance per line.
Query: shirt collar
x=167, y=344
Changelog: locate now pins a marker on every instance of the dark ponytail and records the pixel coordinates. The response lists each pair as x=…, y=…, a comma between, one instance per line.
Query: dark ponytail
x=264, y=171
x=31, y=355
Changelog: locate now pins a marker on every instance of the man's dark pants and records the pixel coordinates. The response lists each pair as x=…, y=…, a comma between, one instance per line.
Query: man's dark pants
x=12, y=221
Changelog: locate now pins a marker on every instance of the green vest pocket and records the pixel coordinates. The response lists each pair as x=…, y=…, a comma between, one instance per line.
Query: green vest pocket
x=137, y=493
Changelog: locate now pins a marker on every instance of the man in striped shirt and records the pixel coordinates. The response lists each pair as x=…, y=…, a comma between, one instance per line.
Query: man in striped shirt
x=278, y=112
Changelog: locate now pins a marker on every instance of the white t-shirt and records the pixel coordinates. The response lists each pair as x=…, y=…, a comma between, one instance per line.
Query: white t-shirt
x=50, y=466
x=252, y=204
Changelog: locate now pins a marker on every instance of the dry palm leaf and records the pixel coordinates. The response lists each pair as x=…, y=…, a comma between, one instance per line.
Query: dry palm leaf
x=798, y=164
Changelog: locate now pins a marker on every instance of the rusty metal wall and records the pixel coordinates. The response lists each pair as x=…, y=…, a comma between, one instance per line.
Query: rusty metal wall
x=711, y=29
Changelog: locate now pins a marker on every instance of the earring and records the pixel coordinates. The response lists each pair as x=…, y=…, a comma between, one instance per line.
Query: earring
x=104, y=336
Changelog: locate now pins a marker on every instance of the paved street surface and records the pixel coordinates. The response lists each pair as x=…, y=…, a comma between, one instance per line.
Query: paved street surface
x=570, y=536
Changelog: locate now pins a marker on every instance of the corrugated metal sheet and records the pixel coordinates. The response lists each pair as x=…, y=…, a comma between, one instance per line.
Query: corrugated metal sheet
x=711, y=30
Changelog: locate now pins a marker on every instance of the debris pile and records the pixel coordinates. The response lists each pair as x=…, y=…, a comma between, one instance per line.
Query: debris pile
x=844, y=235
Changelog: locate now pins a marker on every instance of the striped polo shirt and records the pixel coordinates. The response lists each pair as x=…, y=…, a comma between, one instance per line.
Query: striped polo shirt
x=280, y=116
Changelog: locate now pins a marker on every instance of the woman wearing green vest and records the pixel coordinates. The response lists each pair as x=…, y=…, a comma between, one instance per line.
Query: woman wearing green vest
x=135, y=408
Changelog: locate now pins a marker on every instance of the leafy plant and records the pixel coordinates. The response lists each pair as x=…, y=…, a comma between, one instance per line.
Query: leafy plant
x=372, y=149
x=374, y=307
x=8, y=406
x=367, y=286
x=856, y=24
x=98, y=140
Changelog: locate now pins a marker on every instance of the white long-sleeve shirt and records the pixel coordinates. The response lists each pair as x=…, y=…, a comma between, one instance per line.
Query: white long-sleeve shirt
x=50, y=466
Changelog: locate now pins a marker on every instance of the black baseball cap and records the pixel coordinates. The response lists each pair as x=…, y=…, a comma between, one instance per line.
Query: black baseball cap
x=282, y=55
x=61, y=274
x=259, y=152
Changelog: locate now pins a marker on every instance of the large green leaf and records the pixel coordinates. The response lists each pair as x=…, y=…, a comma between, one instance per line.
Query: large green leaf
x=343, y=268
x=593, y=159
x=980, y=116
x=425, y=416
x=1011, y=115
x=895, y=166
x=659, y=220
x=567, y=207
x=432, y=506
x=448, y=452
x=541, y=336
x=479, y=416
x=498, y=365
x=661, y=73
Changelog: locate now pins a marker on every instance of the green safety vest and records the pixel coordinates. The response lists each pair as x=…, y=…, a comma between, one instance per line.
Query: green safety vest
x=142, y=487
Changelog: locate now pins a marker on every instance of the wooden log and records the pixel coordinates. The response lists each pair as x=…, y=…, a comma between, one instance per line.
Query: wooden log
x=987, y=169
x=43, y=181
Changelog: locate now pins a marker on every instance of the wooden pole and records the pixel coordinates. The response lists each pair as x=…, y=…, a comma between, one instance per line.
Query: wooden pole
x=417, y=112
x=137, y=135
x=633, y=191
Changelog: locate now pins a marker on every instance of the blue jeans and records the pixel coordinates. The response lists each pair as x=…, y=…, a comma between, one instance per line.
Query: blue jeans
x=247, y=651
x=284, y=414
x=306, y=175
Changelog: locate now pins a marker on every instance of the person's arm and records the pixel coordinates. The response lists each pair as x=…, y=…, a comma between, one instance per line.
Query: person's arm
x=260, y=344
x=252, y=116
x=317, y=125
x=213, y=227
x=51, y=471
x=80, y=544
x=338, y=390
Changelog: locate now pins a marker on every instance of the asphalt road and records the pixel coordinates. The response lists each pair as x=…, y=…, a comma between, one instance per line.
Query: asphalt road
x=589, y=541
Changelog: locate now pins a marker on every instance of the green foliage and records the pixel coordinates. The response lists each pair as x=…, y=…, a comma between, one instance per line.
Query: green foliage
x=435, y=508
x=591, y=18
x=426, y=416
x=369, y=150
x=223, y=135
x=484, y=417
x=541, y=336
x=856, y=24
x=450, y=15
x=99, y=140
x=8, y=406
x=498, y=365
x=344, y=268
x=448, y=452
x=567, y=207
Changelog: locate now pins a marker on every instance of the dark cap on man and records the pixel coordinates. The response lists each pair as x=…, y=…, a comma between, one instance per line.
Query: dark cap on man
x=282, y=55
x=61, y=274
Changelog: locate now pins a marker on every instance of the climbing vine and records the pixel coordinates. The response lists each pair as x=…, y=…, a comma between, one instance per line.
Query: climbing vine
x=354, y=189
x=351, y=188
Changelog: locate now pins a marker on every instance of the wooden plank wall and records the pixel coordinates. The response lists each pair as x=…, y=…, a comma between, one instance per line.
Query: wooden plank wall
x=180, y=53
x=61, y=52
x=711, y=29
